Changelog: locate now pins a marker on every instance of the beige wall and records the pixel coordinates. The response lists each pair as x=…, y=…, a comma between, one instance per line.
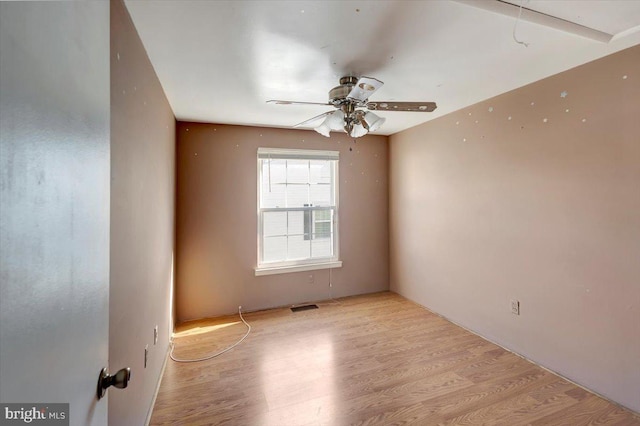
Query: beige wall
x=544, y=212
x=217, y=220
x=142, y=220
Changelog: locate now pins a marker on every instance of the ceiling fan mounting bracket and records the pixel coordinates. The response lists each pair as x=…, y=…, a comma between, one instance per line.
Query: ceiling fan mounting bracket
x=349, y=80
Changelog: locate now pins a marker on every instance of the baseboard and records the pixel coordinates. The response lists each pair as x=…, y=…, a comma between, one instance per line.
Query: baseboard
x=155, y=393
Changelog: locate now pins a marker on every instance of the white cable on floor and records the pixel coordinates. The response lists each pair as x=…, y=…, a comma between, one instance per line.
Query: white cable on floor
x=217, y=353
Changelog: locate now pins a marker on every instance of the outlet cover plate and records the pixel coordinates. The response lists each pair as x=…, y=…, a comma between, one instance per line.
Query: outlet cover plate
x=515, y=307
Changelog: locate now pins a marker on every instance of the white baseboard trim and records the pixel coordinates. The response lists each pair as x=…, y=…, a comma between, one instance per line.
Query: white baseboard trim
x=155, y=394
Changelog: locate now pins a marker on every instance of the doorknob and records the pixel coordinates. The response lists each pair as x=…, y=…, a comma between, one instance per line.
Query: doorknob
x=119, y=380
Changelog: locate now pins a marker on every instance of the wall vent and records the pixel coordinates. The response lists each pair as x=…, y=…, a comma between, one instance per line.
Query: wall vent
x=303, y=308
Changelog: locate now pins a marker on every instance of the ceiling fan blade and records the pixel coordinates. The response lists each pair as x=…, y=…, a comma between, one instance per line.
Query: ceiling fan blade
x=402, y=106
x=317, y=117
x=278, y=102
x=365, y=87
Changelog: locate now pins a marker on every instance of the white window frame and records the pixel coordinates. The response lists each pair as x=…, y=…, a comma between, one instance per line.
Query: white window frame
x=267, y=268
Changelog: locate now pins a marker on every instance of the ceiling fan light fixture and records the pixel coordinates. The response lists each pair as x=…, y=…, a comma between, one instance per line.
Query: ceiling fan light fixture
x=335, y=121
x=358, y=131
x=323, y=129
x=373, y=121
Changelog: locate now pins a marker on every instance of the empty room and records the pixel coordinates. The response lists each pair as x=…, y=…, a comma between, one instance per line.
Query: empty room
x=320, y=212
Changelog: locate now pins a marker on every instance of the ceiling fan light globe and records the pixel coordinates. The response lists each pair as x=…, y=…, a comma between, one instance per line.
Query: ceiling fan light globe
x=335, y=121
x=323, y=129
x=374, y=121
x=358, y=131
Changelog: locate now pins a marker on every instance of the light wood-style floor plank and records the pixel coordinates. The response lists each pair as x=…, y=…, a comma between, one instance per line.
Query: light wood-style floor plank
x=376, y=359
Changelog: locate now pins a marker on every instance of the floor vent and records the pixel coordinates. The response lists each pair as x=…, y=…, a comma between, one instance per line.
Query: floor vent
x=303, y=308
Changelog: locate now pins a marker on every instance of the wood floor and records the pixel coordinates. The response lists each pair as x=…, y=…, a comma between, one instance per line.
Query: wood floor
x=367, y=360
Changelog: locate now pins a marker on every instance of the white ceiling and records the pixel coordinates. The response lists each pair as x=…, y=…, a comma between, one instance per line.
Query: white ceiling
x=220, y=61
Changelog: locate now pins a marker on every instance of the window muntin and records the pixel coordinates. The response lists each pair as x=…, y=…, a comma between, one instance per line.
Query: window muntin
x=297, y=207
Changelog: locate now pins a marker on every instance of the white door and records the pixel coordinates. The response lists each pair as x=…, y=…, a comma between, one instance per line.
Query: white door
x=54, y=204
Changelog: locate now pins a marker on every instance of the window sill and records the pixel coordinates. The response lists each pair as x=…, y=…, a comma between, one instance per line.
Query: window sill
x=297, y=268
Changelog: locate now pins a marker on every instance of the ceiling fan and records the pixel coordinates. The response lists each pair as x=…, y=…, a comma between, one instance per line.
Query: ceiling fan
x=351, y=98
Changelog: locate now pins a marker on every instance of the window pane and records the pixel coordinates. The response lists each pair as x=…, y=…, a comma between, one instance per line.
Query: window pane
x=297, y=195
x=274, y=196
x=275, y=249
x=319, y=171
x=299, y=248
x=296, y=223
x=322, y=230
x=321, y=247
x=320, y=195
x=274, y=223
x=307, y=224
x=322, y=224
x=322, y=215
x=274, y=170
x=297, y=171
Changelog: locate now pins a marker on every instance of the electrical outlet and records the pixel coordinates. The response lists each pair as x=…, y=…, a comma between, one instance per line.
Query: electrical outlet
x=146, y=355
x=515, y=307
x=155, y=335
x=311, y=279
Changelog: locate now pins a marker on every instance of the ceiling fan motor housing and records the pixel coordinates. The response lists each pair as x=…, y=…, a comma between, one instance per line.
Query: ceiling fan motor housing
x=338, y=95
x=339, y=98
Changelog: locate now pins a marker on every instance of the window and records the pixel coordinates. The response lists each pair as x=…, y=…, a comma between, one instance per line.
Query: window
x=297, y=210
